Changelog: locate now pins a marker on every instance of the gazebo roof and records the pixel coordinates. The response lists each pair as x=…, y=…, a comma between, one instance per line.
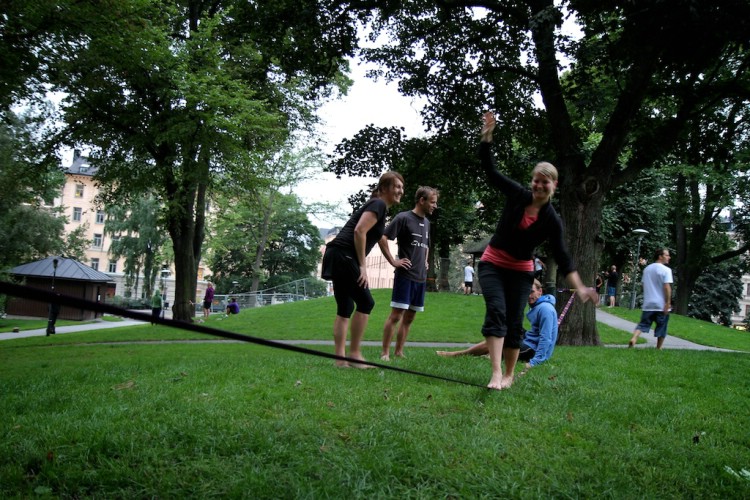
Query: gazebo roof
x=67, y=269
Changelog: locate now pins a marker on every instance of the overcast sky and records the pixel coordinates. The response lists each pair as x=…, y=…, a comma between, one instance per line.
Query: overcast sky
x=368, y=102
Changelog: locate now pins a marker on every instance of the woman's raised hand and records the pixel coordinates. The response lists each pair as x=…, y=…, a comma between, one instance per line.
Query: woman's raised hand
x=488, y=126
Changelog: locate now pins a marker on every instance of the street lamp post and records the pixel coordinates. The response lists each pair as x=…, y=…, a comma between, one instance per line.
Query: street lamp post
x=54, y=307
x=640, y=233
x=164, y=274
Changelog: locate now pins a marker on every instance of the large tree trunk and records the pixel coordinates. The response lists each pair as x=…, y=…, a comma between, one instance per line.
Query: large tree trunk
x=583, y=224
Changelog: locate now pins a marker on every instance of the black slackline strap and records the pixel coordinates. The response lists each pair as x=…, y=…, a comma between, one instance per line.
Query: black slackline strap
x=78, y=303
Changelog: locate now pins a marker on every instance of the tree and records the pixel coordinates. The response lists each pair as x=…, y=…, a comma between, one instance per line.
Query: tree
x=29, y=229
x=290, y=243
x=137, y=236
x=717, y=292
x=191, y=91
x=638, y=69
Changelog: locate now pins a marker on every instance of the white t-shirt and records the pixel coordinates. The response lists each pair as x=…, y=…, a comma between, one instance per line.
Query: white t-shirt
x=468, y=273
x=654, y=277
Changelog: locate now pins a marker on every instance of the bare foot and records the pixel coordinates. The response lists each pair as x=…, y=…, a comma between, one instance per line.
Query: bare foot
x=359, y=365
x=506, y=383
x=631, y=343
x=385, y=357
x=342, y=364
x=495, y=383
x=399, y=355
x=446, y=354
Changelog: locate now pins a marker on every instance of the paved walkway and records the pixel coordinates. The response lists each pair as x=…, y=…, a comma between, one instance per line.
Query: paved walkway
x=602, y=316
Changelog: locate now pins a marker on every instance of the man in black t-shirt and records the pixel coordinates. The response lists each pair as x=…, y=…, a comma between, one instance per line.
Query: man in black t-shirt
x=411, y=230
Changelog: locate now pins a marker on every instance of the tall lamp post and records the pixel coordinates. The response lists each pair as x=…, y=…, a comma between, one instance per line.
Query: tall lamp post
x=164, y=274
x=54, y=307
x=640, y=233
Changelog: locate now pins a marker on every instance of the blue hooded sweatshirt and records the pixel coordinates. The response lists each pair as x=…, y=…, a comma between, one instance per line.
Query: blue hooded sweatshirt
x=543, y=334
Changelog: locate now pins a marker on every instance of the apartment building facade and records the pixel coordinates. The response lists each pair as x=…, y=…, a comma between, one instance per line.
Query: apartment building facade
x=78, y=199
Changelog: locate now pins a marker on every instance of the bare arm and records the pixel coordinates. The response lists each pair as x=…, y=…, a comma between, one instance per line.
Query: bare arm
x=386, y=251
x=584, y=293
x=667, y=298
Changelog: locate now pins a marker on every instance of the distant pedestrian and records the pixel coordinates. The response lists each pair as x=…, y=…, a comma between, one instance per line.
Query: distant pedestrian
x=657, y=298
x=468, y=279
x=157, y=305
x=612, y=279
x=539, y=268
x=208, y=299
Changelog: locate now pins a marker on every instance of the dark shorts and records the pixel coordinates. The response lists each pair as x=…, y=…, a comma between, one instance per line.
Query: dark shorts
x=408, y=294
x=469, y=284
x=658, y=317
x=206, y=304
x=611, y=291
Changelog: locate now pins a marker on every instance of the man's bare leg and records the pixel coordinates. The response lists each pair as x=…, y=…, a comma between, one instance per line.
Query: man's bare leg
x=495, y=348
x=511, y=357
x=340, y=325
x=479, y=349
x=390, y=324
x=659, y=342
x=359, y=323
x=403, y=332
x=634, y=338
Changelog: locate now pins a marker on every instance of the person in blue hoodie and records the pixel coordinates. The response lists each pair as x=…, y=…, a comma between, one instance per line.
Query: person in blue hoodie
x=539, y=342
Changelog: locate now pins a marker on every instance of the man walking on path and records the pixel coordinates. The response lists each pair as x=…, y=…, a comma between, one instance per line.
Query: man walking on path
x=411, y=229
x=657, y=298
x=468, y=279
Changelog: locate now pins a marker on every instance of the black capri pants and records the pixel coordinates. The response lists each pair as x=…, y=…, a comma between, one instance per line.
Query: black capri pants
x=342, y=268
x=506, y=293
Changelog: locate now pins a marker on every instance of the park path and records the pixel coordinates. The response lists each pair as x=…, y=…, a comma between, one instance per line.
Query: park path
x=602, y=316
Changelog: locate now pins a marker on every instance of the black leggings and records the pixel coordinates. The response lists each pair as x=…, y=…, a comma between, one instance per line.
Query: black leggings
x=344, y=274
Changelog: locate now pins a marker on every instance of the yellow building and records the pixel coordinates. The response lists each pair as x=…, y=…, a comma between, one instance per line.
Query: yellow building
x=78, y=200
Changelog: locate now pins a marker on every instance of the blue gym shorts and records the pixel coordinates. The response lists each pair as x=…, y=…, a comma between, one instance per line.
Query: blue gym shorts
x=658, y=317
x=408, y=294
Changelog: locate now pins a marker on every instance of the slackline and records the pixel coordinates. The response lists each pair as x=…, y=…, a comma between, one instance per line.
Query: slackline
x=40, y=295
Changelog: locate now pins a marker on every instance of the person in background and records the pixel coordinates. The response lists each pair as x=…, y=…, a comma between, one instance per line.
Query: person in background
x=411, y=230
x=506, y=269
x=468, y=279
x=208, y=299
x=233, y=307
x=344, y=263
x=657, y=298
x=157, y=305
x=539, y=268
x=612, y=279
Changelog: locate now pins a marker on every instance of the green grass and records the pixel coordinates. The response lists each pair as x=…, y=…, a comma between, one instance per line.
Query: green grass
x=231, y=420
x=8, y=324
x=202, y=420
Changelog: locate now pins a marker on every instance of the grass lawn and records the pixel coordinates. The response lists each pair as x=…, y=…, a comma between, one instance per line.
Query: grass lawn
x=198, y=420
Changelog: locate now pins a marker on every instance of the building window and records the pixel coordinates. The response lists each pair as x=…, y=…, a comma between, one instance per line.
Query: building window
x=79, y=190
x=112, y=266
x=100, y=216
x=97, y=241
x=76, y=214
x=748, y=289
x=747, y=311
x=95, y=264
